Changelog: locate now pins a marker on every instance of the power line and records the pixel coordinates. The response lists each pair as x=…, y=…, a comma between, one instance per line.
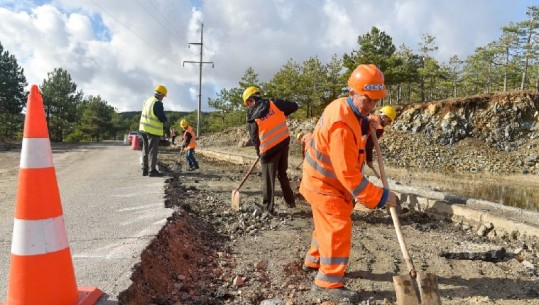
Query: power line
x=200, y=62
x=127, y=28
x=168, y=28
x=166, y=20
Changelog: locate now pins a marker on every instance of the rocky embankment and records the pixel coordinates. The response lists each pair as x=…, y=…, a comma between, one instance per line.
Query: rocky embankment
x=491, y=133
x=497, y=133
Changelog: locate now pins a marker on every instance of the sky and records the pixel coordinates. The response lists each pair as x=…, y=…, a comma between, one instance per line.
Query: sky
x=121, y=49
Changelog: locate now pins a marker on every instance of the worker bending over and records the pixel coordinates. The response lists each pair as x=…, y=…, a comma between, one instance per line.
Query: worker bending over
x=266, y=122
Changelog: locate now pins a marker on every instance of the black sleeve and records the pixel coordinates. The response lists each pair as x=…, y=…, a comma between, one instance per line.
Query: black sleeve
x=253, y=134
x=368, y=149
x=286, y=106
x=159, y=111
x=187, y=139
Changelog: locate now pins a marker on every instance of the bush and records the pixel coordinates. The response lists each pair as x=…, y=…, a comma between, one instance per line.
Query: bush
x=75, y=137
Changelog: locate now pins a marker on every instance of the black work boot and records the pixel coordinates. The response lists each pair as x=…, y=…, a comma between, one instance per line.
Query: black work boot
x=309, y=268
x=291, y=204
x=337, y=293
x=144, y=172
x=155, y=173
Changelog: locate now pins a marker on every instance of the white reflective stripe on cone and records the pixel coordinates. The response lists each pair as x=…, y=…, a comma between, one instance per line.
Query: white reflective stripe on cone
x=34, y=237
x=36, y=153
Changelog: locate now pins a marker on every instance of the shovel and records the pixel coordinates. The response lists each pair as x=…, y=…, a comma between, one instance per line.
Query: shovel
x=415, y=288
x=235, y=204
x=297, y=167
x=178, y=164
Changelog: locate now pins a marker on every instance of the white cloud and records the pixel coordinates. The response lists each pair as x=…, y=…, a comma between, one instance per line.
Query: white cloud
x=121, y=49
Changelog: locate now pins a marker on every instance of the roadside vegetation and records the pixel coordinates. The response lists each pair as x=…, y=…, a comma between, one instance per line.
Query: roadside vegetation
x=509, y=63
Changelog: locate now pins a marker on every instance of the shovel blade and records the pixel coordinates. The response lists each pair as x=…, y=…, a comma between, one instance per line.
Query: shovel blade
x=428, y=289
x=406, y=290
x=177, y=167
x=235, y=200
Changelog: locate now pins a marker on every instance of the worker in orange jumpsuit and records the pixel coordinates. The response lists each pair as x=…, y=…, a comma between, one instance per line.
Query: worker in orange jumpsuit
x=268, y=130
x=332, y=178
x=384, y=118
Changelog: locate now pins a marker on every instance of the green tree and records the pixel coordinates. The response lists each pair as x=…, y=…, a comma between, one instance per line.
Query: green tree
x=96, y=119
x=286, y=83
x=314, y=84
x=12, y=95
x=375, y=47
x=406, y=74
x=120, y=123
x=224, y=104
x=249, y=78
x=453, y=71
x=478, y=72
x=508, y=45
x=529, y=36
x=429, y=68
x=335, y=81
x=61, y=98
x=135, y=121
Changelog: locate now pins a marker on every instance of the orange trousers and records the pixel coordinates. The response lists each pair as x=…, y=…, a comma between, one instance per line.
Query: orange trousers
x=331, y=239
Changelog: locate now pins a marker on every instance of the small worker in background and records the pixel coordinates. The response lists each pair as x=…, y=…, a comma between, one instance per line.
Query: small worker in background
x=189, y=144
x=385, y=117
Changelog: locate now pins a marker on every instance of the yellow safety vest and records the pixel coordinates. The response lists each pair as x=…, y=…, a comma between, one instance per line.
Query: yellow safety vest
x=149, y=122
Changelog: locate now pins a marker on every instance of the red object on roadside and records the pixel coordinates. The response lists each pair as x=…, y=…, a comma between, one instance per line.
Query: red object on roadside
x=135, y=143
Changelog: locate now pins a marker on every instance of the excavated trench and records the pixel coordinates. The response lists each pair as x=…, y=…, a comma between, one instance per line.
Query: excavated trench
x=208, y=254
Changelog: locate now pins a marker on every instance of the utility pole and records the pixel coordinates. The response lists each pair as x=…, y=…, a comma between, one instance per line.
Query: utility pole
x=200, y=62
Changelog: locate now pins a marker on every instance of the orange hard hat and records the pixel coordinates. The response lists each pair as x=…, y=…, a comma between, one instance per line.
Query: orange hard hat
x=368, y=80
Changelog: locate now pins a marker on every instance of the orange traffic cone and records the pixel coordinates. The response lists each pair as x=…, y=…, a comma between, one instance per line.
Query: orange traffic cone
x=41, y=270
x=135, y=145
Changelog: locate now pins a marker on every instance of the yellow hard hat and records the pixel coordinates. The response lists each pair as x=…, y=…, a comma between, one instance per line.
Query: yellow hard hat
x=184, y=123
x=389, y=111
x=161, y=90
x=300, y=134
x=248, y=93
x=368, y=80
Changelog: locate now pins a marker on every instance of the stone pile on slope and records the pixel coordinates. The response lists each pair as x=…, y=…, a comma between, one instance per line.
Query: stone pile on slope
x=495, y=133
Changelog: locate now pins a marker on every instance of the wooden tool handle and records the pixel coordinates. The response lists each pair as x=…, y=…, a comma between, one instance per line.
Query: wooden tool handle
x=392, y=210
x=248, y=173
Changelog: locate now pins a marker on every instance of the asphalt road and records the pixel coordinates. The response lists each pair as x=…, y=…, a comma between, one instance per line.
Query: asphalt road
x=111, y=213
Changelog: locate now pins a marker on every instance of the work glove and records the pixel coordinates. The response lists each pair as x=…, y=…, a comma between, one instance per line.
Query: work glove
x=393, y=203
